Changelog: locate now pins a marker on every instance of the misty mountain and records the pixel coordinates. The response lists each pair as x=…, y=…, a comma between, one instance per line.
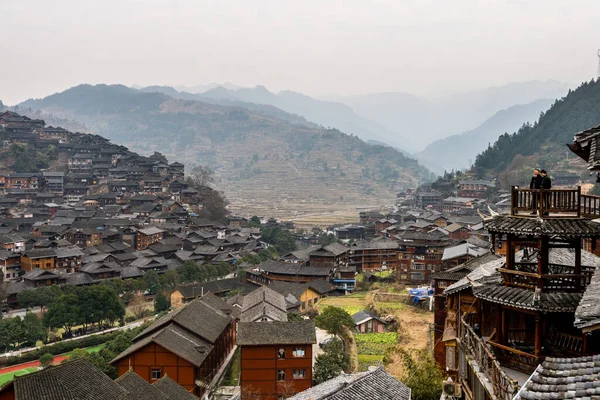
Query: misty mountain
x=264, y=109
x=459, y=151
x=325, y=113
x=424, y=119
x=203, y=88
x=260, y=161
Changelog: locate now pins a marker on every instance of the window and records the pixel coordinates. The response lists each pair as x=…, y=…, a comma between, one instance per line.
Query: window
x=418, y=267
x=442, y=284
x=299, y=352
x=281, y=375
x=155, y=373
x=315, y=300
x=299, y=374
x=281, y=353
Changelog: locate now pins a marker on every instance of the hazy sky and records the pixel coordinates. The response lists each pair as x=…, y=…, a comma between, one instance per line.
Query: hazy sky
x=312, y=46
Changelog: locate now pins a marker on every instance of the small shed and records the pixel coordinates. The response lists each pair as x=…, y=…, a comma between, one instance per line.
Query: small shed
x=367, y=322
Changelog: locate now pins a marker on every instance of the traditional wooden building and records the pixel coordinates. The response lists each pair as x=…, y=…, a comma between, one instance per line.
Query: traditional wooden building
x=189, y=345
x=367, y=322
x=85, y=237
x=509, y=315
x=147, y=237
x=276, y=358
x=374, y=255
x=474, y=188
x=38, y=258
x=329, y=256
x=271, y=271
x=420, y=255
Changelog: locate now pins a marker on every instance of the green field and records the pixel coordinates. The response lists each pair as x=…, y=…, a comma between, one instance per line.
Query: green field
x=4, y=378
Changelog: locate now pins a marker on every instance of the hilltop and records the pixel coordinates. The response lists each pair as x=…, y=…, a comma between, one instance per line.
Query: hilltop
x=543, y=143
x=262, y=162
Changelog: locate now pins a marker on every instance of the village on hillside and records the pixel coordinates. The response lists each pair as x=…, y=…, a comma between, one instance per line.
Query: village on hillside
x=126, y=276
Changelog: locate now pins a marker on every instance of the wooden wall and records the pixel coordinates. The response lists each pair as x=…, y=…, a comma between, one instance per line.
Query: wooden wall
x=155, y=356
x=259, y=366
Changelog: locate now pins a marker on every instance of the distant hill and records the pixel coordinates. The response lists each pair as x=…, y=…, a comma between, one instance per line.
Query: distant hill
x=543, y=143
x=424, y=119
x=262, y=162
x=325, y=113
x=459, y=151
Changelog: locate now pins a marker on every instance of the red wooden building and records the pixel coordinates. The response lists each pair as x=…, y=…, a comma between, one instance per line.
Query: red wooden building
x=189, y=345
x=276, y=358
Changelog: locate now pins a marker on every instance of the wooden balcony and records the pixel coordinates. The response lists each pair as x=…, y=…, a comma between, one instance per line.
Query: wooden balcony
x=554, y=203
x=557, y=282
x=476, y=350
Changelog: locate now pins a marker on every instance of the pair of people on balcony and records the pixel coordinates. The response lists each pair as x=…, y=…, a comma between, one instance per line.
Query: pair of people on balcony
x=540, y=180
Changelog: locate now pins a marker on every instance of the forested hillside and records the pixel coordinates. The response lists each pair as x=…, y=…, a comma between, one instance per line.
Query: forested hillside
x=577, y=111
x=259, y=160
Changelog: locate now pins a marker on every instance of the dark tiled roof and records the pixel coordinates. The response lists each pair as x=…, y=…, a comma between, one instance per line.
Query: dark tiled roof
x=219, y=286
x=276, y=332
x=264, y=302
x=376, y=384
x=564, y=378
x=548, y=226
x=175, y=339
x=195, y=317
x=524, y=298
x=172, y=389
x=588, y=311
x=139, y=388
x=73, y=380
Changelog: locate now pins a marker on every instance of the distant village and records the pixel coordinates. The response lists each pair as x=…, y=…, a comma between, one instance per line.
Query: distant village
x=107, y=214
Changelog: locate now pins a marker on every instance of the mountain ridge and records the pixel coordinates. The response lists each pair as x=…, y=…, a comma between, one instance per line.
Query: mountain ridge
x=261, y=162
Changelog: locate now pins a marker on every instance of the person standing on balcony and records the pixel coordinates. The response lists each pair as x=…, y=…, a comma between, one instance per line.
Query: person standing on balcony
x=536, y=183
x=546, y=185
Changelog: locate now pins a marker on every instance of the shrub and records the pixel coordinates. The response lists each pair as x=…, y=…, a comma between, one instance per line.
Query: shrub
x=46, y=359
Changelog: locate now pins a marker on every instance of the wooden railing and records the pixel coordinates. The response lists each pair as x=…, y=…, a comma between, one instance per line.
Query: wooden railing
x=590, y=206
x=565, y=341
x=514, y=358
x=473, y=346
x=558, y=202
x=550, y=282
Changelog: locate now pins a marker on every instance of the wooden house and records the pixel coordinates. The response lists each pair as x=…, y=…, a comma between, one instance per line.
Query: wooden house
x=374, y=255
x=189, y=345
x=367, y=322
x=329, y=256
x=276, y=358
x=147, y=237
x=38, y=258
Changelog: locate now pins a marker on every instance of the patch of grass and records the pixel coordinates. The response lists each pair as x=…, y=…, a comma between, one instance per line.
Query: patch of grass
x=5, y=378
x=366, y=360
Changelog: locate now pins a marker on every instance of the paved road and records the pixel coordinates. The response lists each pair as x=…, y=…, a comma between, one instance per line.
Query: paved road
x=20, y=312
x=132, y=325
x=321, y=335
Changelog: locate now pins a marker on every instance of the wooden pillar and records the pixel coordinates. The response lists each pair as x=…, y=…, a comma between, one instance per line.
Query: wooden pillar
x=510, y=252
x=538, y=335
x=504, y=334
x=543, y=245
x=577, y=244
x=498, y=337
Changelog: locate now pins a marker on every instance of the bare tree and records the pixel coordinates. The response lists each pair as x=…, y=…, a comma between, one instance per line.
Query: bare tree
x=200, y=176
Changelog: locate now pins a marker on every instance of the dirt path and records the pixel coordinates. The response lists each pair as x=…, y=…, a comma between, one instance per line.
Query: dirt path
x=30, y=364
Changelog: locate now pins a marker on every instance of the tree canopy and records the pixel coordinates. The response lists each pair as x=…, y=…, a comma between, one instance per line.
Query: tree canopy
x=333, y=320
